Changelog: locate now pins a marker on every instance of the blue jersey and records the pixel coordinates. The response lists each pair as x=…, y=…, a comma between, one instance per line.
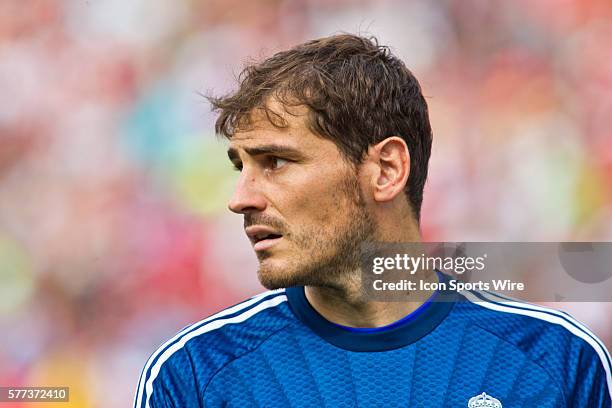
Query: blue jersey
x=474, y=349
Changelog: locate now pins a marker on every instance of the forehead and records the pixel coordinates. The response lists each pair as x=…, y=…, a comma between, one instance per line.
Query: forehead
x=262, y=132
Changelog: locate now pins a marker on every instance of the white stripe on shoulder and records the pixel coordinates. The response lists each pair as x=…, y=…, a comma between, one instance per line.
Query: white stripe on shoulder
x=216, y=324
x=541, y=313
x=506, y=300
x=225, y=312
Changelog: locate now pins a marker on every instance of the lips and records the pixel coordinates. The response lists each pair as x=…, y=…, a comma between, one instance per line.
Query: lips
x=262, y=237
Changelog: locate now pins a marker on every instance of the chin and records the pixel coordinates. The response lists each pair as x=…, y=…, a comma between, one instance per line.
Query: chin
x=276, y=274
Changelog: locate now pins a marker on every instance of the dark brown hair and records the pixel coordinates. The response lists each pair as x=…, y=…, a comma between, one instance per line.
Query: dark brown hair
x=357, y=94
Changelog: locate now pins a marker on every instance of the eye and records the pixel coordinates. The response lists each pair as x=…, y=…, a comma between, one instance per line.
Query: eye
x=237, y=166
x=277, y=162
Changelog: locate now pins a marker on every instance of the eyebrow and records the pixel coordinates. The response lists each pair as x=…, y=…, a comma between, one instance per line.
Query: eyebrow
x=232, y=153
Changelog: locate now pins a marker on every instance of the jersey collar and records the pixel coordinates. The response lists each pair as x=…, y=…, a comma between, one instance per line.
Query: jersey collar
x=403, y=332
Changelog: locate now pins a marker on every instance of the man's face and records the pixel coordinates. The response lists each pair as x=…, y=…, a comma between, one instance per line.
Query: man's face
x=302, y=204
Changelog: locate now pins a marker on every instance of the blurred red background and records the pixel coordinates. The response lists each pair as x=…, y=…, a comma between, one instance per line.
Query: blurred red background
x=114, y=232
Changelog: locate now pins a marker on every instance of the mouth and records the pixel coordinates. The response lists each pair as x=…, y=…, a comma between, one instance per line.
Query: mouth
x=262, y=237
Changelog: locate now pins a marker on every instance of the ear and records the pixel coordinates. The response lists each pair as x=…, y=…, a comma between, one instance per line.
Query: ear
x=391, y=163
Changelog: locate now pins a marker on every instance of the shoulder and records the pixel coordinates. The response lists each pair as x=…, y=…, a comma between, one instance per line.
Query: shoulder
x=553, y=339
x=197, y=352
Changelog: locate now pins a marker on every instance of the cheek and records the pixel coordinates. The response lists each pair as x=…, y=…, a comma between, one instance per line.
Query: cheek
x=324, y=205
x=314, y=199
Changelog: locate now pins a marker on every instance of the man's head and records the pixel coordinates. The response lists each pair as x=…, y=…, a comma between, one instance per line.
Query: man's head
x=328, y=135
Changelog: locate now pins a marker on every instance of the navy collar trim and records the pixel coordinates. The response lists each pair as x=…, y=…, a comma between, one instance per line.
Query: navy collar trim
x=401, y=333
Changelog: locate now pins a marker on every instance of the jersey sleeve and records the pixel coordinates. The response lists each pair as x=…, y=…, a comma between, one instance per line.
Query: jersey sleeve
x=591, y=386
x=168, y=384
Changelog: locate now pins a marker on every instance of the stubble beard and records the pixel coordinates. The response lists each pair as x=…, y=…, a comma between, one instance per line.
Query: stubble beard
x=329, y=259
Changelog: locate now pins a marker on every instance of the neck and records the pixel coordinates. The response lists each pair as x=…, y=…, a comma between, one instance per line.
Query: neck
x=348, y=308
x=348, y=304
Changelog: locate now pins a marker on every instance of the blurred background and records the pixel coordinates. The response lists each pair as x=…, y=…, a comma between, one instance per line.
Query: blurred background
x=114, y=232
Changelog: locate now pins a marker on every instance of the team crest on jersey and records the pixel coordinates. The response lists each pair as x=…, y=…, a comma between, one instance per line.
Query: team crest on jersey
x=484, y=401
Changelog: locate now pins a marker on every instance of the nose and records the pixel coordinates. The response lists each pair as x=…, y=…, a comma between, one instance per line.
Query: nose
x=247, y=197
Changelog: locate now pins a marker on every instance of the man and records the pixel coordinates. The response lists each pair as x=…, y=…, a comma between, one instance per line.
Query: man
x=332, y=139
